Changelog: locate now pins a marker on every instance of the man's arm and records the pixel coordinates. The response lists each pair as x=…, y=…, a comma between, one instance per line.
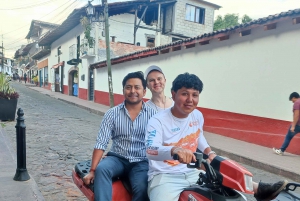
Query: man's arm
x=295, y=120
x=155, y=150
x=154, y=142
x=97, y=155
x=103, y=137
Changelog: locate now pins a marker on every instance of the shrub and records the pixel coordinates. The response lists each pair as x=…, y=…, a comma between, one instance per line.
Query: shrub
x=6, y=91
x=35, y=79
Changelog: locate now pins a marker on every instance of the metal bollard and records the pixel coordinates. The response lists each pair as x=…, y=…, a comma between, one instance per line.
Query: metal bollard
x=21, y=172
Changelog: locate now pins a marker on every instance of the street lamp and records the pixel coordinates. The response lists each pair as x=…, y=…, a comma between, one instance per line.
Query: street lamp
x=90, y=11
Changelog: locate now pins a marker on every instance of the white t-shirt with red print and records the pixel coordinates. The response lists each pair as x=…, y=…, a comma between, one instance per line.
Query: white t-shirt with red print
x=164, y=131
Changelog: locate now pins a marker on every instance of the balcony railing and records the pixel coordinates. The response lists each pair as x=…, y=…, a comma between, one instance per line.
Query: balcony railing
x=73, y=59
x=86, y=49
x=73, y=52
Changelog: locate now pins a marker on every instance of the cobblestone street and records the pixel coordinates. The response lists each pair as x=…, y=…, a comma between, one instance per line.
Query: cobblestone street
x=58, y=135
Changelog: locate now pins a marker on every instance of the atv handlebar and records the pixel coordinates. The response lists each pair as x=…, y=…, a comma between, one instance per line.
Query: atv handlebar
x=199, y=158
x=210, y=172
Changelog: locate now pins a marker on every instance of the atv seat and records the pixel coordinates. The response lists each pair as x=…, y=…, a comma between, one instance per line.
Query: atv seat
x=83, y=168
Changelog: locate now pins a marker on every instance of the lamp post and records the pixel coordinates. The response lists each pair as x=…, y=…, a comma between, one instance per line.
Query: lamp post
x=90, y=11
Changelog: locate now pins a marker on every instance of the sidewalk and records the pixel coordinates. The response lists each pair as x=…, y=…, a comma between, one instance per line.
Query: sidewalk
x=12, y=190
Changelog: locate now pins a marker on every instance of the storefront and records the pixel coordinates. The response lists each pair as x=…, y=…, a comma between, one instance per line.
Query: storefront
x=42, y=70
x=57, y=72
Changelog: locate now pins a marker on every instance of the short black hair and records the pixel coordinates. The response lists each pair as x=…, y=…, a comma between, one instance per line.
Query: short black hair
x=294, y=95
x=138, y=74
x=189, y=81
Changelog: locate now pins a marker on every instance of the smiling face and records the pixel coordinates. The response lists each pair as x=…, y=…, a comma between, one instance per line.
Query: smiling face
x=134, y=91
x=156, y=82
x=185, y=101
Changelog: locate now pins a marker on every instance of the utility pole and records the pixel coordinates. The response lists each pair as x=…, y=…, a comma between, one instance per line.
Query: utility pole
x=108, y=62
x=2, y=59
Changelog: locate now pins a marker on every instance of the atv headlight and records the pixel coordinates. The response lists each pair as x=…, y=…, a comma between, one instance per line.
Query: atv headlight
x=248, y=182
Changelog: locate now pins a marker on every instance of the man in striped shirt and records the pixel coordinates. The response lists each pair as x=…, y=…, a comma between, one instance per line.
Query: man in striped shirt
x=125, y=124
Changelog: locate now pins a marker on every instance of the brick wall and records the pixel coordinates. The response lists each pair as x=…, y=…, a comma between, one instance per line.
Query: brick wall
x=192, y=29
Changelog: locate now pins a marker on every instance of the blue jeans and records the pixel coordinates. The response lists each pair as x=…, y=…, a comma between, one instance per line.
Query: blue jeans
x=115, y=166
x=289, y=136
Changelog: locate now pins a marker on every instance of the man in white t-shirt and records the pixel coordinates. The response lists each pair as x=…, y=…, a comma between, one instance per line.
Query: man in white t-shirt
x=179, y=130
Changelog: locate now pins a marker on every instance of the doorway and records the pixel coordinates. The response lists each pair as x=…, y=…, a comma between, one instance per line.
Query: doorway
x=57, y=80
x=91, y=85
x=73, y=83
x=41, y=77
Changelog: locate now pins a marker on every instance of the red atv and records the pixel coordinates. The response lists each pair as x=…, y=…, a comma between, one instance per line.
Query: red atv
x=221, y=182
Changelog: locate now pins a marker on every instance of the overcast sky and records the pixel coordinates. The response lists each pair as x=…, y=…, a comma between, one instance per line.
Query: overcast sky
x=16, y=15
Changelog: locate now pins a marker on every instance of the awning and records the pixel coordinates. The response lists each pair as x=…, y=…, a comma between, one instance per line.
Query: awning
x=59, y=64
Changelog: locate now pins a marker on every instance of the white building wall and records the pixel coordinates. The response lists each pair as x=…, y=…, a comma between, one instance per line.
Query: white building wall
x=252, y=75
x=189, y=28
x=122, y=26
x=65, y=42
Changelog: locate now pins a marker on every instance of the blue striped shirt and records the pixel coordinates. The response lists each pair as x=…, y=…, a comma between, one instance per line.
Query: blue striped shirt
x=128, y=137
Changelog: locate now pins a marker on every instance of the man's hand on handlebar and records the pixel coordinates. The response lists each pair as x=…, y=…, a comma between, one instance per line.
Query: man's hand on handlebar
x=185, y=156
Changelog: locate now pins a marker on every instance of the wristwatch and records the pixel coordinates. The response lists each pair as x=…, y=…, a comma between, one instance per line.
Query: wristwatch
x=211, y=152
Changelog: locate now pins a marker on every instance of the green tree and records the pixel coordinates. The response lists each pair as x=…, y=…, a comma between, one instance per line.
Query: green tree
x=229, y=20
x=218, y=23
x=246, y=19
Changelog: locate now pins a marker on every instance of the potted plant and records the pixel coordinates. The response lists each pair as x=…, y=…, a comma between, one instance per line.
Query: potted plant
x=8, y=99
x=35, y=80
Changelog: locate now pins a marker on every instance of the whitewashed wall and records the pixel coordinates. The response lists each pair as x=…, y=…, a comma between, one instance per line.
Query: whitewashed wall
x=65, y=42
x=121, y=26
x=252, y=75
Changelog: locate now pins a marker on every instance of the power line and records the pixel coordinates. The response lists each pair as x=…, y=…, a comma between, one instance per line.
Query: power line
x=15, y=41
x=121, y=22
x=64, y=11
x=40, y=18
x=28, y=6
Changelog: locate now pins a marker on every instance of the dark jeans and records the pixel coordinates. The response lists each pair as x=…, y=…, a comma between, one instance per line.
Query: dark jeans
x=289, y=136
x=113, y=166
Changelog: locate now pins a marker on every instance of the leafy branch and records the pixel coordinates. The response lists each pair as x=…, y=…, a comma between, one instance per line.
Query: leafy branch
x=87, y=32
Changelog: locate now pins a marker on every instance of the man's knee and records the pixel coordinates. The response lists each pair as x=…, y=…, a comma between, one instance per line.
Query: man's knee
x=102, y=170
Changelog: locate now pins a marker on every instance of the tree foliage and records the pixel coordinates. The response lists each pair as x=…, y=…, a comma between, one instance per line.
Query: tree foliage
x=229, y=20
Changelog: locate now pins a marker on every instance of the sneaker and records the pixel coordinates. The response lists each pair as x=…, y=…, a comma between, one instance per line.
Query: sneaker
x=278, y=151
x=266, y=191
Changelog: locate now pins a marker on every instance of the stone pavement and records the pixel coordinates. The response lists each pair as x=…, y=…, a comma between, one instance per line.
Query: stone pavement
x=14, y=190
x=240, y=151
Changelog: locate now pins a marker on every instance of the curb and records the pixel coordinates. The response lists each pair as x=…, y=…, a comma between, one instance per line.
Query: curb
x=100, y=113
x=260, y=165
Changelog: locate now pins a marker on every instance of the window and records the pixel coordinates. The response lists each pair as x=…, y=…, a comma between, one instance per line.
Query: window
x=59, y=51
x=194, y=14
x=175, y=39
x=150, y=42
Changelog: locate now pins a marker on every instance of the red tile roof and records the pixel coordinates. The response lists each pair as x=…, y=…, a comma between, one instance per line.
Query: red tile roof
x=120, y=49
